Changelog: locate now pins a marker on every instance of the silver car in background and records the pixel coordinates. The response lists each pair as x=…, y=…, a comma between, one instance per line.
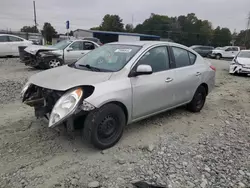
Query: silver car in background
x=118, y=84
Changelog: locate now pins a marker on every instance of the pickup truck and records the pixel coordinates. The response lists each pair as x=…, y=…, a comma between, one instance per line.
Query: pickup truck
x=225, y=52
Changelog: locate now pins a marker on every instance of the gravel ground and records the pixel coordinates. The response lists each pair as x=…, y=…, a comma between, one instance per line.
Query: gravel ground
x=175, y=149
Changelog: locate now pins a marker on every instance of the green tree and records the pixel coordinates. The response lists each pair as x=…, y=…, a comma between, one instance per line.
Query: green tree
x=110, y=23
x=29, y=29
x=48, y=32
x=243, y=38
x=129, y=28
x=221, y=37
x=187, y=30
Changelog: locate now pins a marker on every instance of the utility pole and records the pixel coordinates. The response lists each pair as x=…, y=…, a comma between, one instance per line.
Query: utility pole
x=34, y=6
x=132, y=20
x=248, y=25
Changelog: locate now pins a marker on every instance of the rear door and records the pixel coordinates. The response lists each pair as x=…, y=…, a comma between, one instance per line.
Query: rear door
x=73, y=52
x=187, y=76
x=4, y=46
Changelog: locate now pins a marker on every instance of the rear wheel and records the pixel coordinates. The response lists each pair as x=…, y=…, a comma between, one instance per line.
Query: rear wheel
x=198, y=100
x=103, y=127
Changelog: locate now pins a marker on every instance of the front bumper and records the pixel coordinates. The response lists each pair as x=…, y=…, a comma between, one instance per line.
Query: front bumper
x=238, y=69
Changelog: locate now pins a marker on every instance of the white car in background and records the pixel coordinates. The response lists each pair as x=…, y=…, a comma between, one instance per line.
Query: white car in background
x=241, y=63
x=225, y=52
x=9, y=44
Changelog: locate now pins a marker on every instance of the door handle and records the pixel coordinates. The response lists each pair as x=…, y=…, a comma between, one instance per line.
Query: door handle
x=82, y=53
x=198, y=74
x=169, y=80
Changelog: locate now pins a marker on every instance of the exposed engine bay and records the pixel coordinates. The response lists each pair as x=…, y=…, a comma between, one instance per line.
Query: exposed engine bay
x=43, y=100
x=58, y=106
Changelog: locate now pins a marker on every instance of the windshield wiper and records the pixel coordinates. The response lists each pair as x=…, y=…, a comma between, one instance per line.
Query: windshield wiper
x=90, y=67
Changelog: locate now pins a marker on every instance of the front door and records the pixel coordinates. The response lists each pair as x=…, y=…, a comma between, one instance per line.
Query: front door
x=153, y=93
x=229, y=53
x=73, y=52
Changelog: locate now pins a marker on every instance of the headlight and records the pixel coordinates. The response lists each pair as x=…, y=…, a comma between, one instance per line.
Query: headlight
x=65, y=106
x=25, y=88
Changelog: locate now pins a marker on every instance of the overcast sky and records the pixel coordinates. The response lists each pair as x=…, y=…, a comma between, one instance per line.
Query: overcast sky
x=88, y=13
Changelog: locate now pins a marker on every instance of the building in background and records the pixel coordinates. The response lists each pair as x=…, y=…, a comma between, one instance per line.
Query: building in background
x=110, y=36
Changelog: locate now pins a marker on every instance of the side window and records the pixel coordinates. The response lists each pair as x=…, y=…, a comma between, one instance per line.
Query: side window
x=3, y=39
x=14, y=39
x=235, y=49
x=77, y=46
x=229, y=49
x=89, y=46
x=181, y=57
x=157, y=58
x=192, y=57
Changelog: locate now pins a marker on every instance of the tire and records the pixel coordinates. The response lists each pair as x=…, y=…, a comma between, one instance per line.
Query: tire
x=109, y=118
x=198, y=100
x=53, y=63
x=218, y=56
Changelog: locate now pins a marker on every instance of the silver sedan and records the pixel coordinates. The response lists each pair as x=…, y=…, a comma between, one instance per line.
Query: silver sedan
x=118, y=84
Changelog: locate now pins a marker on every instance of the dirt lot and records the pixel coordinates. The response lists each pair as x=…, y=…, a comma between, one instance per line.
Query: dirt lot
x=176, y=149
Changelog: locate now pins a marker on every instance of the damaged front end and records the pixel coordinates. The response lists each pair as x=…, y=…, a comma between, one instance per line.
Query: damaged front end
x=39, y=56
x=58, y=106
x=236, y=67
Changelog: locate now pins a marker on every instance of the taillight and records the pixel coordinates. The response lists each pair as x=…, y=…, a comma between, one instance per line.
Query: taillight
x=213, y=67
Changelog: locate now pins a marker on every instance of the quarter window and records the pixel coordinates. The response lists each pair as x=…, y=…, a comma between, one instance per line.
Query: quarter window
x=3, y=39
x=192, y=58
x=157, y=58
x=181, y=57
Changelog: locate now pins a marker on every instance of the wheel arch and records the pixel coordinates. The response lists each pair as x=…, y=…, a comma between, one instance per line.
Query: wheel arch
x=205, y=86
x=122, y=106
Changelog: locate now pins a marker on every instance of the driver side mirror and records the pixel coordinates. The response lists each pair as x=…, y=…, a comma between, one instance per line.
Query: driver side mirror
x=143, y=70
x=69, y=49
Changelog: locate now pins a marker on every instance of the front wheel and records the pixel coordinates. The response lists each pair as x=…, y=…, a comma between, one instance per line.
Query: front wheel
x=53, y=63
x=103, y=127
x=218, y=56
x=198, y=100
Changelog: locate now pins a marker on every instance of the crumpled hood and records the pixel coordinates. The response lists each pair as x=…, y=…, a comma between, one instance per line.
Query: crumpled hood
x=53, y=52
x=244, y=61
x=65, y=77
x=33, y=49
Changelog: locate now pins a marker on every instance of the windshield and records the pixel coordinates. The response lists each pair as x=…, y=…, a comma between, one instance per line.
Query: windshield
x=244, y=54
x=110, y=57
x=61, y=45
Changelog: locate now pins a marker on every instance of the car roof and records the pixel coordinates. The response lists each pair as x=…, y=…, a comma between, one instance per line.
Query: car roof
x=143, y=43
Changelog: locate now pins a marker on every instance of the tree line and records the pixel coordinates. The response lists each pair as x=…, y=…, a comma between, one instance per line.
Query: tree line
x=185, y=29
